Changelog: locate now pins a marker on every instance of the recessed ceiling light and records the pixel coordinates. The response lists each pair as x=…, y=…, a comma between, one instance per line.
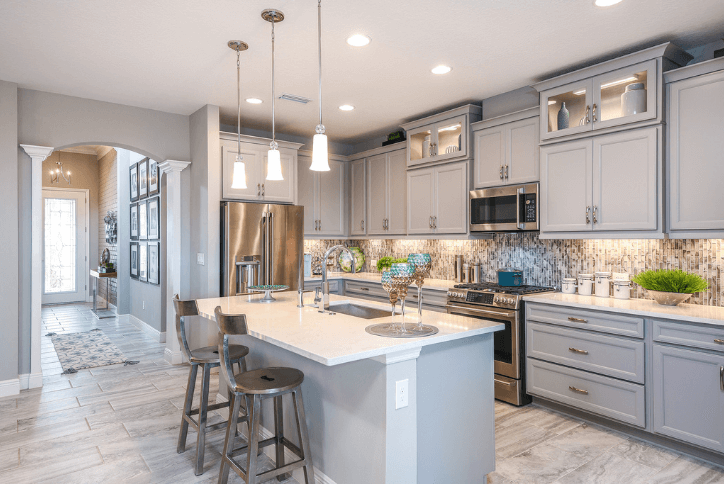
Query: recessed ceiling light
x=253, y=100
x=358, y=40
x=441, y=69
x=606, y=3
x=346, y=107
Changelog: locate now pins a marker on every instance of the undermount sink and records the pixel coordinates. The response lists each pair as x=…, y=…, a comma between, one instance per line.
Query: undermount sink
x=364, y=312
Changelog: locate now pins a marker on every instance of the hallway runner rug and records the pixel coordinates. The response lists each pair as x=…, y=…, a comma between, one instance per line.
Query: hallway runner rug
x=89, y=349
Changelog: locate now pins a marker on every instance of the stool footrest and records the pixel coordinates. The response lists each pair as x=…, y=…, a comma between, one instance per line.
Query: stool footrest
x=262, y=444
x=293, y=447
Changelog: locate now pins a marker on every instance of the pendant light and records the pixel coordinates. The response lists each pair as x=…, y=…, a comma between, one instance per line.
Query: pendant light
x=274, y=161
x=320, y=152
x=238, y=180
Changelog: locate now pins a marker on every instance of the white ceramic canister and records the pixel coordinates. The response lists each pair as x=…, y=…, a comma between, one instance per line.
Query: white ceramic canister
x=620, y=276
x=585, y=284
x=633, y=100
x=621, y=289
x=603, y=284
x=569, y=285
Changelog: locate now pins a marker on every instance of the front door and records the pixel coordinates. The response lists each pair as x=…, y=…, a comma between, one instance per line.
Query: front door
x=65, y=272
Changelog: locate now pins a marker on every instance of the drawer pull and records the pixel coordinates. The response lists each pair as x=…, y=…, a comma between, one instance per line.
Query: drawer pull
x=719, y=341
x=576, y=350
x=364, y=288
x=721, y=378
x=576, y=320
x=506, y=383
x=578, y=390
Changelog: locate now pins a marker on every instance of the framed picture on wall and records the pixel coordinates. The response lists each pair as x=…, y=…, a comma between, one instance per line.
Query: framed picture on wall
x=154, y=263
x=134, y=221
x=134, y=260
x=153, y=179
x=154, y=218
x=142, y=262
x=134, y=182
x=142, y=220
x=143, y=178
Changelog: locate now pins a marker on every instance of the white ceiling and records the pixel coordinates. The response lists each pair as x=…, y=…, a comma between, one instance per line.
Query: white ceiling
x=172, y=56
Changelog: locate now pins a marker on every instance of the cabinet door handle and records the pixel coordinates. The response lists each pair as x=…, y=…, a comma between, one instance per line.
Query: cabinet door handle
x=595, y=214
x=721, y=378
x=588, y=114
x=576, y=320
x=258, y=189
x=719, y=341
x=588, y=214
x=576, y=350
x=434, y=222
x=320, y=224
x=578, y=390
x=262, y=189
x=506, y=171
x=501, y=172
x=362, y=224
x=429, y=222
x=595, y=117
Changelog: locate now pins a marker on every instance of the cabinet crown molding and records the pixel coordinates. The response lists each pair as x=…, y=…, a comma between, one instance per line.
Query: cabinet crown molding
x=667, y=50
x=700, y=69
x=451, y=113
x=259, y=141
x=506, y=118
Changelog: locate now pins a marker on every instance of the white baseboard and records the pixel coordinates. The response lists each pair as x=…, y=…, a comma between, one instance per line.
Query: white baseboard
x=30, y=380
x=319, y=476
x=9, y=387
x=159, y=336
x=173, y=357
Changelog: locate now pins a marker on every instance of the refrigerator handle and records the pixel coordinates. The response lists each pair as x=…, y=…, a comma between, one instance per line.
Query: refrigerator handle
x=225, y=255
x=270, y=247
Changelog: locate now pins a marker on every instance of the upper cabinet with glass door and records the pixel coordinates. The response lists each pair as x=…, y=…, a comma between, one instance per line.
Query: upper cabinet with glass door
x=609, y=95
x=442, y=137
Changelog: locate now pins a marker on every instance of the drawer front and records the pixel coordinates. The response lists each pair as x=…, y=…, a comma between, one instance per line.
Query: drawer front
x=334, y=286
x=615, y=399
x=607, y=355
x=689, y=334
x=364, y=290
x=585, y=319
x=430, y=298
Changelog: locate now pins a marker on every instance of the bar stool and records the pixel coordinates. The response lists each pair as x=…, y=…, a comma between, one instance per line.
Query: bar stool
x=208, y=358
x=254, y=386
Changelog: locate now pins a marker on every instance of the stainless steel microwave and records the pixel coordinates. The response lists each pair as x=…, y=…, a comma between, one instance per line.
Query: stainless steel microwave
x=505, y=209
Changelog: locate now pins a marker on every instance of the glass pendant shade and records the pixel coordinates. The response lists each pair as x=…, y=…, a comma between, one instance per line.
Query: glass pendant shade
x=274, y=165
x=320, y=154
x=238, y=180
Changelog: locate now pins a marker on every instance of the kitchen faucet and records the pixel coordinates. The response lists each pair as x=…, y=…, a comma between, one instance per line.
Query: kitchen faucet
x=325, y=283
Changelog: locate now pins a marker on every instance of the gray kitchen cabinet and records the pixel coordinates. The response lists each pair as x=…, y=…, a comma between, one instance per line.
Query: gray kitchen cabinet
x=323, y=196
x=506, y=150
x=254, y=150
x=442, y=137
x=606, y=185
x=358, y=197
x=695, y=101
x=566, y=182
x=437, y=199
x=689, y=396
x=386, y=193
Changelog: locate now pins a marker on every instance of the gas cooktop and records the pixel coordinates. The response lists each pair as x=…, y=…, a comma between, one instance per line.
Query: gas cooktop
x=492, y=295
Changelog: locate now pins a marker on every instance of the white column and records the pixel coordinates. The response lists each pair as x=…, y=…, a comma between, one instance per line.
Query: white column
x=173, y=170
x=37, y=154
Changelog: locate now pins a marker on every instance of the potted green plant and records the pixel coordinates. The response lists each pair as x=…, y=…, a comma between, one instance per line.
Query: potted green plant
x=385, y=263
x=670, y=286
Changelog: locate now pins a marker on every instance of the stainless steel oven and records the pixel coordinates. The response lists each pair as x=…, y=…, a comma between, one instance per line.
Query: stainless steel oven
x=504, y=305
x=505, y=209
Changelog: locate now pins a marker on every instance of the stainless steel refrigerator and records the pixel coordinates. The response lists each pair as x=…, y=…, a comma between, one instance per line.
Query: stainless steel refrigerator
x=261, y=243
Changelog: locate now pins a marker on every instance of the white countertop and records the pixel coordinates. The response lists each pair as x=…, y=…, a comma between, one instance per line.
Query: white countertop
x=695, y=313
x=435, y=284
x=336, y=339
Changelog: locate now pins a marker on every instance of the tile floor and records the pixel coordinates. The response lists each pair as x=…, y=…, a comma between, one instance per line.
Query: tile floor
x=107, y=424
x=120, y=424
x=536, y=445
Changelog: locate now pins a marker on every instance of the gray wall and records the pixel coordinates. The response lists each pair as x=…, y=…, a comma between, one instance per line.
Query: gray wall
x=9, y=294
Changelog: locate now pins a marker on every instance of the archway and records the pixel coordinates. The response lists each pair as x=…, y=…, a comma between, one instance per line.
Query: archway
x=172, y=170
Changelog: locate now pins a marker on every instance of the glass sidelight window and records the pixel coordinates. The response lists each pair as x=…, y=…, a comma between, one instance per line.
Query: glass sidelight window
x=60, y=245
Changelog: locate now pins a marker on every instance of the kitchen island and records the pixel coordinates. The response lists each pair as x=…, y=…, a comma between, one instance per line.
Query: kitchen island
x=444, y=433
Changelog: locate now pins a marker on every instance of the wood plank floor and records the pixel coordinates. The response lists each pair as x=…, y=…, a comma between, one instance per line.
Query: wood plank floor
x=107, y=424
x=120, y=424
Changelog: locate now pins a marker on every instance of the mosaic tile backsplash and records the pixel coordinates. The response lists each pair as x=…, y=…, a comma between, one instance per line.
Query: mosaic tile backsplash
x=546, y=262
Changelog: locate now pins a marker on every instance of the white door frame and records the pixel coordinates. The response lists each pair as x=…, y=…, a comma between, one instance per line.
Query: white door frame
x=86, y=274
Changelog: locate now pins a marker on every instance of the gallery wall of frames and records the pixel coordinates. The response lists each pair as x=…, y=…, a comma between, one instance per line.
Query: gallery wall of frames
x=145, y=221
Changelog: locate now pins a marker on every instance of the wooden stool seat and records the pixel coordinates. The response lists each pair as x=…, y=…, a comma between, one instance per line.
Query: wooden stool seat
x=267, y=381
x=210, y=354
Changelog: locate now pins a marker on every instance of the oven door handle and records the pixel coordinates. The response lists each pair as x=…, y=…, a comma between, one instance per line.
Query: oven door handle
x=506, y=383
x=475, y=311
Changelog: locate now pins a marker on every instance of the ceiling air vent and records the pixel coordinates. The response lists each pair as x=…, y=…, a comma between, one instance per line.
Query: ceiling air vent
x=296, y=99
